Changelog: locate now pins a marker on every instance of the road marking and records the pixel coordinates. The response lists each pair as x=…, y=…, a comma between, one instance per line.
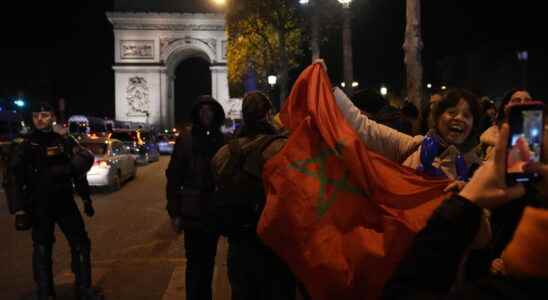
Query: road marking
x=176, y=288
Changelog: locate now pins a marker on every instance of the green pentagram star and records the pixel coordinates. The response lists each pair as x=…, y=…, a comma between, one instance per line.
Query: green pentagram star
x=341, y=184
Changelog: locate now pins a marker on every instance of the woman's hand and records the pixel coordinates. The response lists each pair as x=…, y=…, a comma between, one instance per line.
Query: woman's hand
x=455, y=186
x=321, y=62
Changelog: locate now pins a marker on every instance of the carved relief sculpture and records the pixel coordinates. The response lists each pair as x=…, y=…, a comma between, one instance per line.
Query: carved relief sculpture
x=224, y=49
x=137, y=95
x=137, y=49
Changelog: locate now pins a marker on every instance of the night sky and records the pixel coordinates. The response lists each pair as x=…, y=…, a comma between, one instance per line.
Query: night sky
x=52, y=49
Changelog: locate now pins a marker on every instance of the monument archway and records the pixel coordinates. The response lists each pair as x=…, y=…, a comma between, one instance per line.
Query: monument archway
x=149, y=47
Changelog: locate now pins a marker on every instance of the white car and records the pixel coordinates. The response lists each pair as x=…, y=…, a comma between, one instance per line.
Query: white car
x=113, y=163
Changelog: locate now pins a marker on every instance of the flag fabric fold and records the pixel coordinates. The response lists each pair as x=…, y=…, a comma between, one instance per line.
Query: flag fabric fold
x=339, y=214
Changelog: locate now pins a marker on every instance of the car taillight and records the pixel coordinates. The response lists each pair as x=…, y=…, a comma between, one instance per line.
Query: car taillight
x=101, y=163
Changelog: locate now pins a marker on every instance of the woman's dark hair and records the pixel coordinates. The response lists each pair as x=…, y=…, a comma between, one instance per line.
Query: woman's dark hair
x=452, y=99
x=504, y=101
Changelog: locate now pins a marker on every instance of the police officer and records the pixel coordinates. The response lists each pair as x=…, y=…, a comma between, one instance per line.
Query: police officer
x=42, y=172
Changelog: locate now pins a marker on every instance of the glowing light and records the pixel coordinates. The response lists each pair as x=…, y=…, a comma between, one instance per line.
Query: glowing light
x=429, y=85
x=443, y=87
x=354, y=84
x=272, y=79
x=303, y=2
x=384, y=91
x=19, y=102
x=220, y=2
x=345, y=3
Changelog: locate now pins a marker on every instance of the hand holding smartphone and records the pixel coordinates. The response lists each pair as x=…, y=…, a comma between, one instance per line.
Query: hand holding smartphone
x=525, y=140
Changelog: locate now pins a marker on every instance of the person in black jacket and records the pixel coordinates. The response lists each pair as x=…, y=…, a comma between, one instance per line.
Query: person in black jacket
x=429, y=269
x=189, y=186
x=39, y=186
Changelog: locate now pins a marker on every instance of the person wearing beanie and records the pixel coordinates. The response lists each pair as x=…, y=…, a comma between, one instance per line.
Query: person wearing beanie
x=429, y=268
x=44, y=170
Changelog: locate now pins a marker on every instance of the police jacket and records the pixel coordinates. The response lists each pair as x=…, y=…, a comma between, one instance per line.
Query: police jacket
x=43, y=165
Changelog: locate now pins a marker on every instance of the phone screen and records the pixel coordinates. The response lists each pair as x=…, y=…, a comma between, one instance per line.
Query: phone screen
x=525, y=141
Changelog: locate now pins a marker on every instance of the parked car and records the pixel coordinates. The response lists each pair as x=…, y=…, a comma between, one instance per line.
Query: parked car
x=166, y=143
x=113, y=163
x=141, y=144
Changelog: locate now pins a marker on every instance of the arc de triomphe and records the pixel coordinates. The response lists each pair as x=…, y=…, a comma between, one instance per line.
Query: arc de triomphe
x=148, y=49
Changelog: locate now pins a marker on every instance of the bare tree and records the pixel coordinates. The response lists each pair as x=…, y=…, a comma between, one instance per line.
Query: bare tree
x=412, y=47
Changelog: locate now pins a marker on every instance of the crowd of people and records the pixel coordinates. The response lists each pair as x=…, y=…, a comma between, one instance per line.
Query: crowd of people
x=478, y=244
x=485, y=241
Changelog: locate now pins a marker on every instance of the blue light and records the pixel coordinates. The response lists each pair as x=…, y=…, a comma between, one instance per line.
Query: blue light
x=534, y=132
x=19, y=103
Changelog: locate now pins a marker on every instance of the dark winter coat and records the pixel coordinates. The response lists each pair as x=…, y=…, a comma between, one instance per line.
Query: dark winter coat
x=189, y=167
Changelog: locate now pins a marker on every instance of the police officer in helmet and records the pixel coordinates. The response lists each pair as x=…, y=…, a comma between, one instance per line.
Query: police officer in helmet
x=44, y=169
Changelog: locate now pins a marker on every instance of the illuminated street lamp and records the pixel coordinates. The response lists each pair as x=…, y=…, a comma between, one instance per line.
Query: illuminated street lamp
x=429, y=85
x=354, y=84
x=443, y=87
x=348, y=72
x=220, y=2
x=384, y=91
x=345, y=3
x=272, y=79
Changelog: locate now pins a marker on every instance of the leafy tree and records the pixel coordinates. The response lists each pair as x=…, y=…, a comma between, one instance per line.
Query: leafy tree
x=265, y=35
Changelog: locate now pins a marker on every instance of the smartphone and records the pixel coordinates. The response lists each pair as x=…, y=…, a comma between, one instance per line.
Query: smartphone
x=525, y=141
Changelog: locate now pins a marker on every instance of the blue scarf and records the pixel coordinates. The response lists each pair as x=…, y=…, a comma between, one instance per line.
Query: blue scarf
x=430, y=147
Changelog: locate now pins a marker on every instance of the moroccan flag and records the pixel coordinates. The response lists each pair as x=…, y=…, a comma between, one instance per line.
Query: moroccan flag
x=339, y=214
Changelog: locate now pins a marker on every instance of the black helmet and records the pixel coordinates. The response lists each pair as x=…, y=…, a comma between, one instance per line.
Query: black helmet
x=42, y=107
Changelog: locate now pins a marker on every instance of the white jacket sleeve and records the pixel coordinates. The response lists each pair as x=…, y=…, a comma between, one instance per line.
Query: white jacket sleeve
x=379, y=138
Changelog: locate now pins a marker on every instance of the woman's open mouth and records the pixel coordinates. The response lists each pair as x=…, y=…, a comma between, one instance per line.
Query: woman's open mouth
x=457, y=128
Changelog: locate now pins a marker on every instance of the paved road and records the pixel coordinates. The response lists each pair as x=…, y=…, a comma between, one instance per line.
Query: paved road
x=136, y=255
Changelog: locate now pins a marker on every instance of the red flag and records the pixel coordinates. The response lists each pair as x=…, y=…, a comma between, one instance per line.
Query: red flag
x=340, y=215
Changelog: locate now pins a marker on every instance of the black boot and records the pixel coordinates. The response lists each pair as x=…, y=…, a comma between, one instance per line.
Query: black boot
x=43, y=275
x=81, y=267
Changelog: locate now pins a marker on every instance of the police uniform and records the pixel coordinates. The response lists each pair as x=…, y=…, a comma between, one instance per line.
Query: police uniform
x=44, y=169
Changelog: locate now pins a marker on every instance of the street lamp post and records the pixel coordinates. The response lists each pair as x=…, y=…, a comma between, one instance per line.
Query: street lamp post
x=272, y=80
x=348, y=71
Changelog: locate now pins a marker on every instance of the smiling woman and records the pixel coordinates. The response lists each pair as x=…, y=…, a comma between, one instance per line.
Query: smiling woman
x=446, y=151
